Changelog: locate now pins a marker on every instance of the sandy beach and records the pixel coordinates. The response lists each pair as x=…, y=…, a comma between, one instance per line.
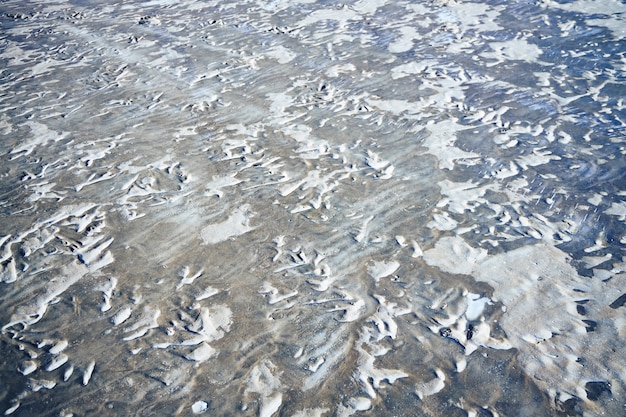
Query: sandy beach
x=313, y=209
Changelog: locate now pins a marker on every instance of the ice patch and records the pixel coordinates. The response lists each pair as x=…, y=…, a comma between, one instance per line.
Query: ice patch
x=238, y=223
x=382, y=269
x=199, y=407
x=454, y=255
x=515, y=49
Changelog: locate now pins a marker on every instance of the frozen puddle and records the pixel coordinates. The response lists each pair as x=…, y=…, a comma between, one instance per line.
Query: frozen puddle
x=301, y=208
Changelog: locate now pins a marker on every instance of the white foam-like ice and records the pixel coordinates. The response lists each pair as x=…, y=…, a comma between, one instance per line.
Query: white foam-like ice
x=516, y=49
x=91, y=366
x=238, y=223
x=382, y=269
x=454, y=255
x=527, y=281
x=199, y=407
x=264, y=383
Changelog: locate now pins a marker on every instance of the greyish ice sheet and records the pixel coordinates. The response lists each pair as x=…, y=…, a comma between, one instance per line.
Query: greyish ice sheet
x=310, y=208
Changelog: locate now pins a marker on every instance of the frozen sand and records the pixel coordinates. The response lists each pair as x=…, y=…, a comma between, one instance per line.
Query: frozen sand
x=304, y=209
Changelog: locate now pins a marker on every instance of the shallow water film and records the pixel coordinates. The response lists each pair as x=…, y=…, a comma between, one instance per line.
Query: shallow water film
x=313, y=208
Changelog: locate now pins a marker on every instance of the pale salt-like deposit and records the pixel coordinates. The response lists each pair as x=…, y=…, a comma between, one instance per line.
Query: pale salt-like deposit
x=308, y=208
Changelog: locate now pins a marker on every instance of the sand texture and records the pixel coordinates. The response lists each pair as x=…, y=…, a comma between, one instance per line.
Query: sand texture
x=312, y=208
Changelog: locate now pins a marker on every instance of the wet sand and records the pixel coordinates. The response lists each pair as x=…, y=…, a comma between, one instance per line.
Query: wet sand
x=300, y=208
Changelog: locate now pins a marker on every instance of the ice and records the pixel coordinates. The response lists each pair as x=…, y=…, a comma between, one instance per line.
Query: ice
x=88, y=372
x=199, y=407
x=236, y=224
x=382, y=269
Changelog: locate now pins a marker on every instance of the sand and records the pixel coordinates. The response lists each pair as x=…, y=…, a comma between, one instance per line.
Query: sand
x=301, y=208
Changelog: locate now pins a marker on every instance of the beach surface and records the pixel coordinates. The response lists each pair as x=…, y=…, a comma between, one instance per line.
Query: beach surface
x=311, y=208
